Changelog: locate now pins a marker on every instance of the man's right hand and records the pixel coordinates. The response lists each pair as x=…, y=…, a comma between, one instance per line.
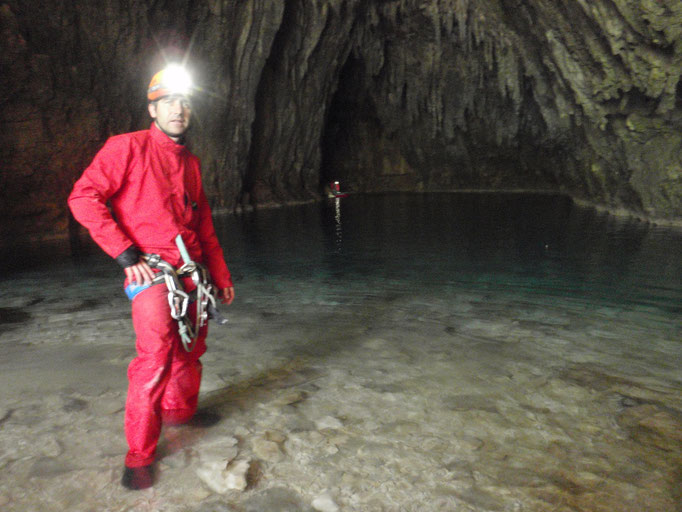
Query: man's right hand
x=140, y=273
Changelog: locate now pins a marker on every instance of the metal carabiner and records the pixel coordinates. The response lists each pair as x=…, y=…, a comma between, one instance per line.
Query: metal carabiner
x=178, y=301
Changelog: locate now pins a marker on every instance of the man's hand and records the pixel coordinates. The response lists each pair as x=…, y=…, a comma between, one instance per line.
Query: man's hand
x=226, y=295
x=140, y=273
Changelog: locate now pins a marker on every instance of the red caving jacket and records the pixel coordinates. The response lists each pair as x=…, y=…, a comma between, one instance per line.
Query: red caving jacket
x=154, y=188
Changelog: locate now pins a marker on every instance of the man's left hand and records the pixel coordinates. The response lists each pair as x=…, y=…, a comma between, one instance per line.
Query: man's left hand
x=226, y=295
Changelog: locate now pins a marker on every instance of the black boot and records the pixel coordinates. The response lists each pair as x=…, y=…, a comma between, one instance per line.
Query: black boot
x=138, y=478
x=204, y=418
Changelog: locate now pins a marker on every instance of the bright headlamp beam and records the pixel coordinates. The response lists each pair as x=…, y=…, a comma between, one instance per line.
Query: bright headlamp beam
x=177, y=80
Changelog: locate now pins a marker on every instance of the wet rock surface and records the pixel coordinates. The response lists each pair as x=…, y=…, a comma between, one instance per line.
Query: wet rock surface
x=408, y=403
x=578, y=97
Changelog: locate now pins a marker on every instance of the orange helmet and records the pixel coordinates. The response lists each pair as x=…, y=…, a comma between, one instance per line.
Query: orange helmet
x=173, y=79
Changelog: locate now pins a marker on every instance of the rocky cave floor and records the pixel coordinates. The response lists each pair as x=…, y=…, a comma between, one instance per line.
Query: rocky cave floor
x=468, y=402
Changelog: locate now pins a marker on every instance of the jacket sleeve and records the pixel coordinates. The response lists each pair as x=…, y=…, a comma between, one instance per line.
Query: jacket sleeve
x=210, y=247
x=88, y=199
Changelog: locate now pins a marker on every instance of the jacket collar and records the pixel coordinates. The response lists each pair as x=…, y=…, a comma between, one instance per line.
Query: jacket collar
x=165, y=141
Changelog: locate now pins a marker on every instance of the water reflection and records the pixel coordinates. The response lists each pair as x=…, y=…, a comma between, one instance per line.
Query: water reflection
x=531, y=243
x=545, y=243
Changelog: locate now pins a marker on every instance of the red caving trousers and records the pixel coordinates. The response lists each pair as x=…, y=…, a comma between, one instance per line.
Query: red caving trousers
x=164, y=379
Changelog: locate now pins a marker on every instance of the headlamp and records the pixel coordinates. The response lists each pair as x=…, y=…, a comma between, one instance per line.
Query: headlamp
x=174, y=79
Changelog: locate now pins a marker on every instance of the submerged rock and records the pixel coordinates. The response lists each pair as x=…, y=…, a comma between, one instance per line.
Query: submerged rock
x=328, y=422
x=266, y=450
x=278, y=499
x=653, y=426
x=221, y=477
x=325, y=503
x=219, y=467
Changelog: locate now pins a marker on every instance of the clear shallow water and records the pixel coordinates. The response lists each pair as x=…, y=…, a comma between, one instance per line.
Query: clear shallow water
x=534, y=245
x=407, y=352
x=541, y=247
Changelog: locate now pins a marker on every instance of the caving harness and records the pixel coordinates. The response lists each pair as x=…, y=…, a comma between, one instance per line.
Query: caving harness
x=178, y=299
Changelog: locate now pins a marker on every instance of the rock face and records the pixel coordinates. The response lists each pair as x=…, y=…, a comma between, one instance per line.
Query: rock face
x=581, y=97
x=578, y=96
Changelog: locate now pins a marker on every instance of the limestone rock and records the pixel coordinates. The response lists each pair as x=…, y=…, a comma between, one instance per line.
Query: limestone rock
x=325, y=503
x=266, y=450
x=50, y=447
x=214, y=506
x=219, y=467
x=650, y=425
x=50, y=466
x=328, y=422
x=275, y=436
x=242, y=431
x=280, y=499
x=222, y=478
x=290, y=397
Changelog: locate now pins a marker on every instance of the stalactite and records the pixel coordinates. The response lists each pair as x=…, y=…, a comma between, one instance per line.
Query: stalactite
x=444, y=90
x=461, y=8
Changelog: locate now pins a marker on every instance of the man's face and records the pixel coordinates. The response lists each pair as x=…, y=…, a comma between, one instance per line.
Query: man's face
x=171, y=114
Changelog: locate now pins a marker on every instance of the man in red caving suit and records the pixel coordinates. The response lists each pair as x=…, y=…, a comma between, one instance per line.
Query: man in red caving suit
x=153, y=185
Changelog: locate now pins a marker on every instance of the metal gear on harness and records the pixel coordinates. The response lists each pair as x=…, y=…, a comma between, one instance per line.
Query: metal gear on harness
x=179, y=300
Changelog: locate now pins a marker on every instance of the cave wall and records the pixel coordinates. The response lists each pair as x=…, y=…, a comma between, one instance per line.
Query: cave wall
x=582, y=97
x=297, y=86
x=578, y=96
x=76, y=72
